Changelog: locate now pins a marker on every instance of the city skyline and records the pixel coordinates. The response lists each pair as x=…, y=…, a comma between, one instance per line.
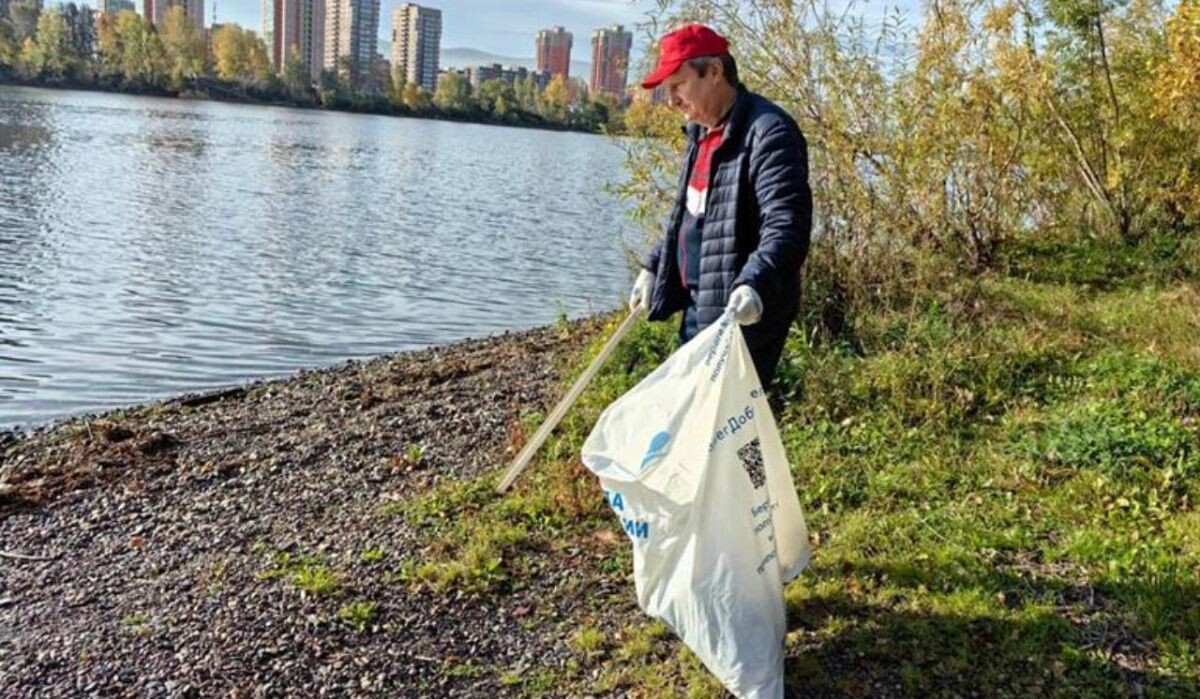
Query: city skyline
x=359, y=31
x=508, y=30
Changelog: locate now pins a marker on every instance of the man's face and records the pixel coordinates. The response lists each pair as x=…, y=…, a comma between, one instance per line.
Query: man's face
x=698, y=97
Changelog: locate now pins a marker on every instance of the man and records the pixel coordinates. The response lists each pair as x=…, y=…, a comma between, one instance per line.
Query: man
x=740, y=227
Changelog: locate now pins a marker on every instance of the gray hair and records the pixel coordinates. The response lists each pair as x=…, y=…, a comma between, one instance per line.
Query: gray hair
x=728, y=66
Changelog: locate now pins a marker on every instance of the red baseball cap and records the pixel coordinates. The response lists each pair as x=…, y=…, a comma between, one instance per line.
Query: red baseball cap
x=683, y=44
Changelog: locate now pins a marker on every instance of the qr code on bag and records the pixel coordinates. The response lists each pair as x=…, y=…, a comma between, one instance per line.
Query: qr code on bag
x=752, y=461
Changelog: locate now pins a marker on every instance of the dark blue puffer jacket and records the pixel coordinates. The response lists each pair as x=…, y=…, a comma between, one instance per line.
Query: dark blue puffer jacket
x=756, y=225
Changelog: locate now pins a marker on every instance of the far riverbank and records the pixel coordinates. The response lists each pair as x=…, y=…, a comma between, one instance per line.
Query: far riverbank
x=209, y=89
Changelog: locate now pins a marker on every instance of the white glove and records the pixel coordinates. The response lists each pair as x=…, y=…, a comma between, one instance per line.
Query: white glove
x=746, y=305
x=639, y=297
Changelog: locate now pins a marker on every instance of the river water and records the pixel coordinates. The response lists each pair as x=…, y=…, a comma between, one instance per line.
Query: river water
x=150, y=247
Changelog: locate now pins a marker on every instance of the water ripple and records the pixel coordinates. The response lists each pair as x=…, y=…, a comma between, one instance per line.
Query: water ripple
x=150, y=246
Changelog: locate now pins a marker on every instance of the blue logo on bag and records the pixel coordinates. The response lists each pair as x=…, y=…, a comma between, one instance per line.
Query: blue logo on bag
x=658, y=447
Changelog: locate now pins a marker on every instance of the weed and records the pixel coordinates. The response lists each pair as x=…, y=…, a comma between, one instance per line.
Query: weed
x=357, y=614
x=307, y=573
x=374, y=555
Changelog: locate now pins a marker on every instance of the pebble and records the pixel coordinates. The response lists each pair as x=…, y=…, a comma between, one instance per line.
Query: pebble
x=163, y=585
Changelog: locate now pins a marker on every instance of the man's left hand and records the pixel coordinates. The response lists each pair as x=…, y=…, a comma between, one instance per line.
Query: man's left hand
x=746, y=305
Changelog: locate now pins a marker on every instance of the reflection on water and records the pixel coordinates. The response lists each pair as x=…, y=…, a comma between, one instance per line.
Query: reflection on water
x=150, y=247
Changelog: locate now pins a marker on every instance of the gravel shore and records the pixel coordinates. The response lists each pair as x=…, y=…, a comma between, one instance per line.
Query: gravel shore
x=145, y=548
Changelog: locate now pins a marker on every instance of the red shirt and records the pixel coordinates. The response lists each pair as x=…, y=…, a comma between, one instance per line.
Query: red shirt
x=691, y=230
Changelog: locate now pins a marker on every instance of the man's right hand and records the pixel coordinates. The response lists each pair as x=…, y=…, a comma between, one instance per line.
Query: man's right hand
x=639, y=297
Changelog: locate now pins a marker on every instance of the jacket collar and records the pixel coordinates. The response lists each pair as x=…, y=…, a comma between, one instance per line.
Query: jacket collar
x=735, y=121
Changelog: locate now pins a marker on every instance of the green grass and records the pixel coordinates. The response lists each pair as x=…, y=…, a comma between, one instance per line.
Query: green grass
x=306, y=573
x=137, y=624
x=470, y=537
x=1007, y=487
x=135, y=620
x=1001, y=480
x=357, y=615
x=588, y=641
x=539, y=682
x=374, y=555
x=317, y=580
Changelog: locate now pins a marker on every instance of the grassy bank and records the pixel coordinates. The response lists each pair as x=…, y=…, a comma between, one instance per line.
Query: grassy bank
x=1001, y=480
x=999, y=474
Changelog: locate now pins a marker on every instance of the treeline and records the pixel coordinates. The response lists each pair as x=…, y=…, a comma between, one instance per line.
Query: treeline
x=74, y=47
x=940, y=143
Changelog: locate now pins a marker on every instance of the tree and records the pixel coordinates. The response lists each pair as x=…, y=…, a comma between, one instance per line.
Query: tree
x=378, y=79
x=496, y=96
x=396, y=89
x=108, y=45
x=331, y=89
x=1177, y=80
x=351, y=73
x=228, y=59
x=416, y=97
x=1088, y=75
x=259, y=60
x=297, y=81
x=27, y=57
x=240, y=55
x=81, y=31
x=1176, y=90
x=50, y=53
x=615, y=109
x=141, y=58
x=453, y=93
x=934, y=144
x=557, y=99
x=526, y=92
x=24, y=19
x=502, y=107
x=9, y=50
x=590, y=116
x=183, y=46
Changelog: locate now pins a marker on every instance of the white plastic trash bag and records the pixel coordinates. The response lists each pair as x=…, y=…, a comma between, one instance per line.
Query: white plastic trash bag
x=691, y=462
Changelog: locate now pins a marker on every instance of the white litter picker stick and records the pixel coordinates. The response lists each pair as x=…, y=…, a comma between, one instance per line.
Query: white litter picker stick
x=564, y=405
